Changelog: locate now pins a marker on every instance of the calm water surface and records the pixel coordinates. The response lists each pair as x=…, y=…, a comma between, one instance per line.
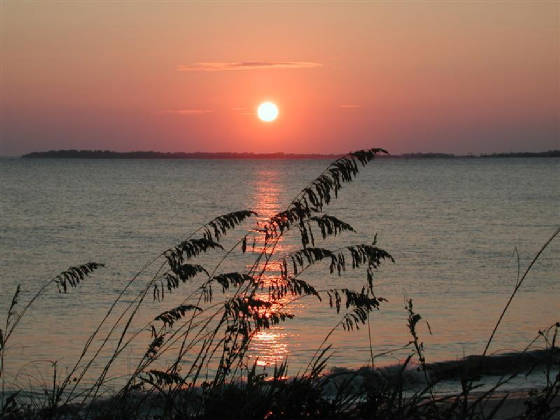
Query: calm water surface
x=452, y=226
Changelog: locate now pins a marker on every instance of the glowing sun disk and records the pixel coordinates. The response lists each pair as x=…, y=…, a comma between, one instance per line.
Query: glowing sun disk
x=267, y=111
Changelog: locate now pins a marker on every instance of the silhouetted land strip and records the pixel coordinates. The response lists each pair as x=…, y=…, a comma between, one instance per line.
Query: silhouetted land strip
x=107, y=154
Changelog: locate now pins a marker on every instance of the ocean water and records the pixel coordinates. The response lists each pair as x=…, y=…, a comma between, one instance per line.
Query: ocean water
x=455, y=228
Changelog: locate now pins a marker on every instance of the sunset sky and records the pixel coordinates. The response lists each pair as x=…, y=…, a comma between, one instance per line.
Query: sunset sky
x=410, y=76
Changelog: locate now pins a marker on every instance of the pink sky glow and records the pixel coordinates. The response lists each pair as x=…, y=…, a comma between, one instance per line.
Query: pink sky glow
x=456, y=77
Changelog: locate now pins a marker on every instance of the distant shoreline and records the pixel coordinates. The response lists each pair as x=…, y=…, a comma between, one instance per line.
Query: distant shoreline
x=106, y=154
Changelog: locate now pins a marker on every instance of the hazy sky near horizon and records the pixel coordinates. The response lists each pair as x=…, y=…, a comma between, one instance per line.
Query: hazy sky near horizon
x=410, y=76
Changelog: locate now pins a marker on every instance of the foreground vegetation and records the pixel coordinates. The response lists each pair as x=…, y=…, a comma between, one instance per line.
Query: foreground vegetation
x=204, y=341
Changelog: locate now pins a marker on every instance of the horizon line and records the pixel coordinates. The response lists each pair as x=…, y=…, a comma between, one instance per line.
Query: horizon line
x=67, y=153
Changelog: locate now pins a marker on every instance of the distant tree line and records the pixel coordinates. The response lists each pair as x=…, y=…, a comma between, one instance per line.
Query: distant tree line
x=550, y=153
x=107, y=154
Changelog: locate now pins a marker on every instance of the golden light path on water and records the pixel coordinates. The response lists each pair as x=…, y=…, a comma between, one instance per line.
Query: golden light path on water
x=270, y=347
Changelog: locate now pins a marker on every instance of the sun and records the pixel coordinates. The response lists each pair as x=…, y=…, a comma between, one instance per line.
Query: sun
x=267, y=111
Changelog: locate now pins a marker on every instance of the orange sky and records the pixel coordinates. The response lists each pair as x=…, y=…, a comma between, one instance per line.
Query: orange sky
x=409, y=76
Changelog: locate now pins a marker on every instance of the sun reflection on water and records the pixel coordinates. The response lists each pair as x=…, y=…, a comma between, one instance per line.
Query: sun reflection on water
x=270, y=347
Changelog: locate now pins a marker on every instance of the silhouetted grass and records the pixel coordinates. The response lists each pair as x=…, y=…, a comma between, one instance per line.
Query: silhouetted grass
x=202, y=343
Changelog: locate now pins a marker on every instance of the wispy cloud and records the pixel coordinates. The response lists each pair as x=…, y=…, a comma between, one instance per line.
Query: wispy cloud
x=186, y=111
x=248, y=65
x=349, y=106
x=242, y=110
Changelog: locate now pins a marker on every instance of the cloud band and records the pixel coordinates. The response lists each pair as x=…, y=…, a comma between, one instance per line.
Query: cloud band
x=247, y=65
